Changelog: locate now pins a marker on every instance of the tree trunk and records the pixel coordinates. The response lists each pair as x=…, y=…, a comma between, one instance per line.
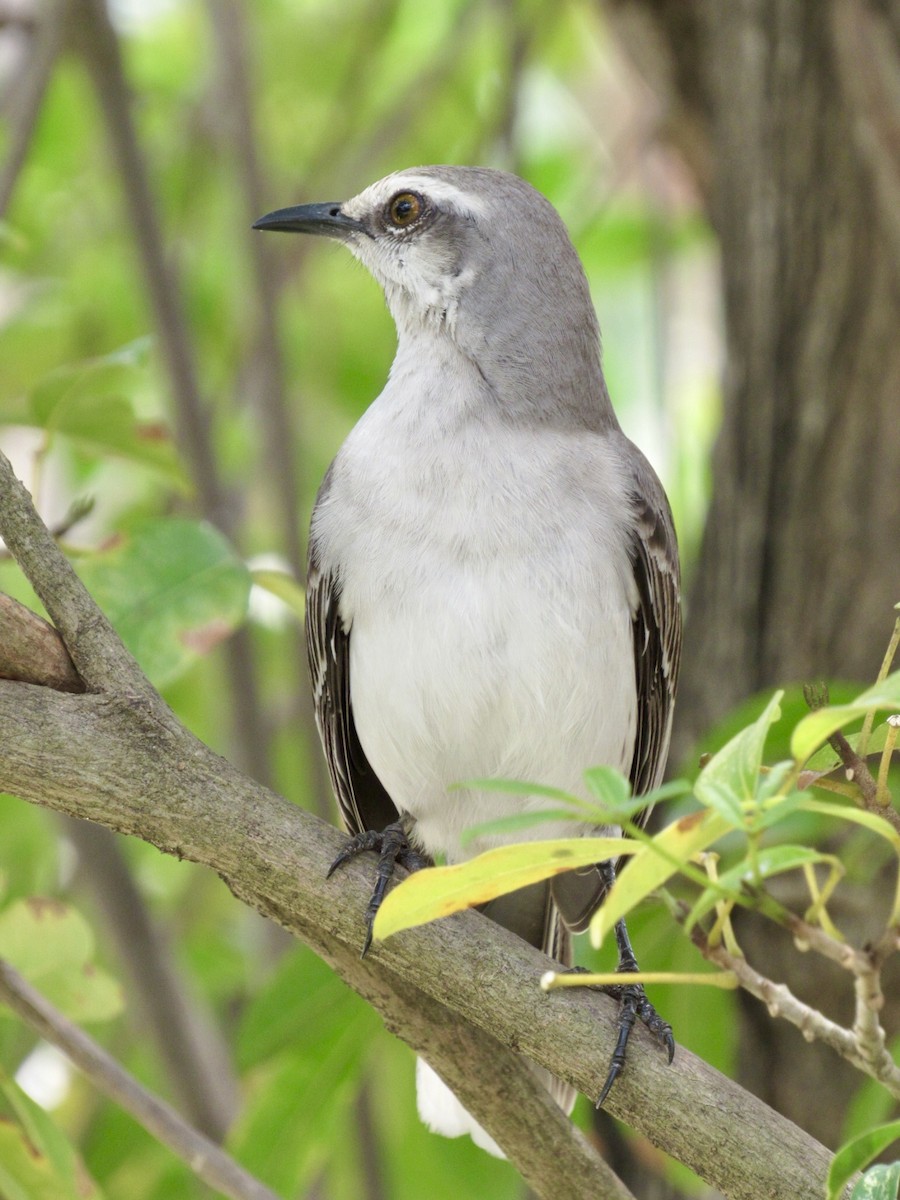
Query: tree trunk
x=788, y=111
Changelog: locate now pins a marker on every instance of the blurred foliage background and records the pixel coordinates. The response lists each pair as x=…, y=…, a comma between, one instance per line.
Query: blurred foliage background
x=172, y=388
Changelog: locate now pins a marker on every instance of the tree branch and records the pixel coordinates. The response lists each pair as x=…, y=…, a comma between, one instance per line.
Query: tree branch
x=99, y=657
x=98, y=43
x=207, y=1160
x=29, y=97
x=863, y=1046
x=31, y=650
x=459, y=990
x=265, y=383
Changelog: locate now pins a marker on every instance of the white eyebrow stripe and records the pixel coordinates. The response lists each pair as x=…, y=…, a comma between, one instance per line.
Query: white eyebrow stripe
x=439, y=190
x=436, y=189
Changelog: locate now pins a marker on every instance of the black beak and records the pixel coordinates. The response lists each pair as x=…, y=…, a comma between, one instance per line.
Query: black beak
x=326, y=220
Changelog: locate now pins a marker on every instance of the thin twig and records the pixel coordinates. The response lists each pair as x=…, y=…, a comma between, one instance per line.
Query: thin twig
x=856, y=769
x=867, y=1027
x=814, y=1025
x=282, y=443
x=99, y=45
x=812, y=937
x=187, y=1038
x=207, y=1160
x=29, y=97
x=867, y=793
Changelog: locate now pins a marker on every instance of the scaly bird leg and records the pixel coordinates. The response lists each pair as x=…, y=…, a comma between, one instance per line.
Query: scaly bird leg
x=634, y=1005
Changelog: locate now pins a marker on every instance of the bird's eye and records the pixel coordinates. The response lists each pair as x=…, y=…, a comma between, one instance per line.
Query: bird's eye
x=405, y=209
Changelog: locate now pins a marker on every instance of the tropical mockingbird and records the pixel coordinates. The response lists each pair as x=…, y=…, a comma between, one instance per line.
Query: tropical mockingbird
x=493, y=573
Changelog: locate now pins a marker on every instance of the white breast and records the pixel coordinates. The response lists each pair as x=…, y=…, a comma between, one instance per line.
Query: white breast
x=489, y=598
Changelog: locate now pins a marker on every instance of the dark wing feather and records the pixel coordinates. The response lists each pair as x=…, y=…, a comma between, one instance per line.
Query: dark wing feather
x=657, y=634
x=362, y=799
x=656, y=626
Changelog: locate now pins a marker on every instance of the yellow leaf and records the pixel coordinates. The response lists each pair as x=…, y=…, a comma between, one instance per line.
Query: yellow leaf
x=439, y=891
x=657, y=862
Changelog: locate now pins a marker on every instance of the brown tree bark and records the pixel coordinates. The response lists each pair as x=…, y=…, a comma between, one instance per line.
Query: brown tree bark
x=788, y=112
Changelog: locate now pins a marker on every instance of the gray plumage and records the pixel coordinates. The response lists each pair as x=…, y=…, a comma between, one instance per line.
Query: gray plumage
x=493, y=573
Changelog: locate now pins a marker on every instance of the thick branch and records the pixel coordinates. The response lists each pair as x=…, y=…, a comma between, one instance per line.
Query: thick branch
x=93, y=757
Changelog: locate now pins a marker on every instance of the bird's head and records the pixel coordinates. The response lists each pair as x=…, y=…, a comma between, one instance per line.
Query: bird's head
x=475, y=255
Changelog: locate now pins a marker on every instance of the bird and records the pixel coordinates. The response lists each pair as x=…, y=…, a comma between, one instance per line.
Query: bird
x=493, y=576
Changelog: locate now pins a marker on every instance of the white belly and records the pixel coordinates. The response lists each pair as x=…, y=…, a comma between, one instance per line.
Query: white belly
x=503, y=676
x=490, y=631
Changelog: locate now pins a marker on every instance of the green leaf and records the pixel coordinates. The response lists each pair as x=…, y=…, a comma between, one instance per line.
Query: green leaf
x=439, y=891
x=778, y=809
x=880, y=1182
x=731, y=778
x=615, y=803
x=856, y=1156
x=816, y=728
x=613, y=792
x=303, y=1039
x=655, y=863
x=303, y=1006
x=518, y=823
x=825, y=759
x=869, y=820
x=772, y=860
x=90, y=402
x=516, y=787
x=173, y=589
x=52, y=946
x=856, y=816
x=36, y=1160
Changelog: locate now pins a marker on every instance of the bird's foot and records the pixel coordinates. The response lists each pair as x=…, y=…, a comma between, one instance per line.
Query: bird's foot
x=634, y=1006
x=392, y=845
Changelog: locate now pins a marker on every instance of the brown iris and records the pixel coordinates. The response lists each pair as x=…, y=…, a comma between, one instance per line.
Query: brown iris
x=404, y=209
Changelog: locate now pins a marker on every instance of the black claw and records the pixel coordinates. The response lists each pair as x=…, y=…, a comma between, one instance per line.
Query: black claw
x=367, y=840
x=660, y=1029
x=669, y=1042
x=634, y=1006
x=615, y=1069
x=393, y=847
x=367, y=940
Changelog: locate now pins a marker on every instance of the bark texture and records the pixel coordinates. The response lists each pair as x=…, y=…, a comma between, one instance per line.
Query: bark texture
x=788, y=112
